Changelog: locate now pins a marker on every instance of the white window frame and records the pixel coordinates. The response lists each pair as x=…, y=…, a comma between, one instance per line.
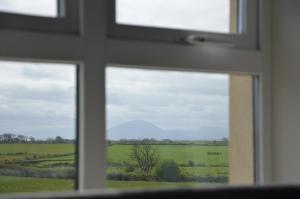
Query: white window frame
x=246, y=36
x=66, y=22
x=93, y=50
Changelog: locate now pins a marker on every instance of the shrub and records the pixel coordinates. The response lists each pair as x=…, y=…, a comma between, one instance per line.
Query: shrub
x=191, y=163
x=130, y=177
x=206, y=179
x=168, y=170
x=129, y=168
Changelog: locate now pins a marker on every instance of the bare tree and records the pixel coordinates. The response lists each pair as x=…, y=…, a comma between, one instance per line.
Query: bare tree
x=146, y=156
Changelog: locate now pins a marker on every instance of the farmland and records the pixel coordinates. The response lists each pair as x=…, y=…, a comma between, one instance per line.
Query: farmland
x=37, y=167
x=201, y=164
x=180, y=153
x=34, y=167
x=10, y=184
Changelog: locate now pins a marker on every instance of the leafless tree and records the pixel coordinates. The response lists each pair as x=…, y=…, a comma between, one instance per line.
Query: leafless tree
x=146, y=156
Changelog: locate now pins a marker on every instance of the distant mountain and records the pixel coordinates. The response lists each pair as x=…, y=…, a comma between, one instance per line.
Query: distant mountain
x=137, y=129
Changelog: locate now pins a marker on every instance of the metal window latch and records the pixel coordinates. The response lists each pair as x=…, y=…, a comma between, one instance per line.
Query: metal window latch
x=195, y=40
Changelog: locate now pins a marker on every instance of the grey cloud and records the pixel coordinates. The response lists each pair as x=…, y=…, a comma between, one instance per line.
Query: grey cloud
x=170, y=100
x=53, y=94
x=33, y=7
x=34, y=73
x=37, y=99
x=202, y=15
x=166, y=97
x=39, y=127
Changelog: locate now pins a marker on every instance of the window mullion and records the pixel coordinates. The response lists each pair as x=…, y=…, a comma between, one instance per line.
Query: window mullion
x=92, y=98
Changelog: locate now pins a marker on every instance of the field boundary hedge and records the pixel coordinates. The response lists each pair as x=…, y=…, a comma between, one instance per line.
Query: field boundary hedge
x=17, y=171
x=132, y=177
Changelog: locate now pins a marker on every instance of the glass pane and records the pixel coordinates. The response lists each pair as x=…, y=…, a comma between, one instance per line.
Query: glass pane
x=37, y=127
x=200, y=15
x=45, y=8
x=166, y=128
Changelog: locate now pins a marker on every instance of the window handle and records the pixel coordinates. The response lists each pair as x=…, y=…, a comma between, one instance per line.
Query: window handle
x=195, y=40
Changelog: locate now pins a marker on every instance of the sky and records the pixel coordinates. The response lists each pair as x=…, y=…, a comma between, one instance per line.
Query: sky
x=30, y=7
x=171, y=100
x=203, y=15
x=37, y=99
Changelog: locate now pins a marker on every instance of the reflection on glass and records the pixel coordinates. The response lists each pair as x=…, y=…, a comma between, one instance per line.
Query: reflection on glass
x=38, y=127
x=166, y=128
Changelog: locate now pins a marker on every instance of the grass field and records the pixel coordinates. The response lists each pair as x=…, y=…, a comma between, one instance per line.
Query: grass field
x=204, y=164
x=21, y=185
x=9, y=184
x=180, y=153
x=155, y=185
x=51, y=167
x=38, y=148
x=37, y=167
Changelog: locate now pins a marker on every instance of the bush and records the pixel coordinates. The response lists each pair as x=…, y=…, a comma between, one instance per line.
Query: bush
x=168, y=170
x=130, y=177
x=69, y=173
x=191, y=163
x=206, y=179
x=129, y=168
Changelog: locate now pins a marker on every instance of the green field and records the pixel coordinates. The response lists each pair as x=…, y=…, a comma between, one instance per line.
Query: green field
x=51, y=167
x=10, y=184
x=38, y=148
x=37, y=167
x=204, y=164
x=180, y=153
x=21, y=185
x=155, y=185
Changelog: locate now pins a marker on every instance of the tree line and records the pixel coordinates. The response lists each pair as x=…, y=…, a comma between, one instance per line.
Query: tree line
x=10, y=138
x=151, y=141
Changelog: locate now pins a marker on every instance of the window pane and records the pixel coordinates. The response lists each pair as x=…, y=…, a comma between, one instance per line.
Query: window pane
x=166, y=128
x=45, y=8
x=200, y=15
x=37, y=127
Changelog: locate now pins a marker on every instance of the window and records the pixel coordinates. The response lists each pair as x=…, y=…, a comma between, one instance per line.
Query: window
x=80, y=34
x=47, y=8
x=224, y=21
x=38, y=132
x=164, y=133
x=41, y=15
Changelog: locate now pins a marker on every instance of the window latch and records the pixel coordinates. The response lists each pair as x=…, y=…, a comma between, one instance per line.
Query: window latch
x=196, y=40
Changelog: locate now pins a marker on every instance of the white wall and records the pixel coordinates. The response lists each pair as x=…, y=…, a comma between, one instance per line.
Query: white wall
x=286, y=91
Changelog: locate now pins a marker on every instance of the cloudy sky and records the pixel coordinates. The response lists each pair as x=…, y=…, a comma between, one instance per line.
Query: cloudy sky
x=170, y=100
x=32, y=7
x=204, y=15
x=37, y=99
